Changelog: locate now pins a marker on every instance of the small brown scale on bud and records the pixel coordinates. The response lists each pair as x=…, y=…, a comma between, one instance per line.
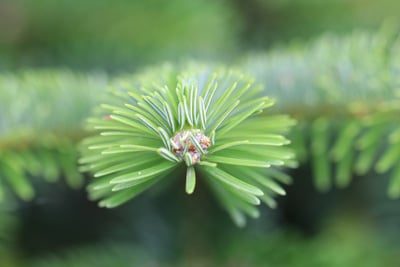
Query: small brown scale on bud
x=107, y=117
x=182, y=143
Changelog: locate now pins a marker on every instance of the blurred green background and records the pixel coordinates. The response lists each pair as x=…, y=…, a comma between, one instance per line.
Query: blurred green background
x=113, y=35
x=357, y=226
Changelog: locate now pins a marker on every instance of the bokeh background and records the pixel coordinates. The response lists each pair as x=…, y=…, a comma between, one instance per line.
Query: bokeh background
x=356, y=226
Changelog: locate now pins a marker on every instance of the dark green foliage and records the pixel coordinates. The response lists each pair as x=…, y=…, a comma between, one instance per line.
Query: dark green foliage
x=8, y=231
x=342, y=243
x=122, y=255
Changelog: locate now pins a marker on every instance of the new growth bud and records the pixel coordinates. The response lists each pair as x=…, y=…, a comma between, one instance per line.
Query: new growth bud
x=189, y=145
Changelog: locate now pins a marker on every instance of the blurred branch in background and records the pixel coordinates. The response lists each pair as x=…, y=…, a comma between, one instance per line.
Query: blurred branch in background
x=344, y=91
x=42, y=118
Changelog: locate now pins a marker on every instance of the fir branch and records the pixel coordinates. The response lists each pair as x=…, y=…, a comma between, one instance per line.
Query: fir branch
x=42, y=113
x=344, y=91
x=219, y=125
